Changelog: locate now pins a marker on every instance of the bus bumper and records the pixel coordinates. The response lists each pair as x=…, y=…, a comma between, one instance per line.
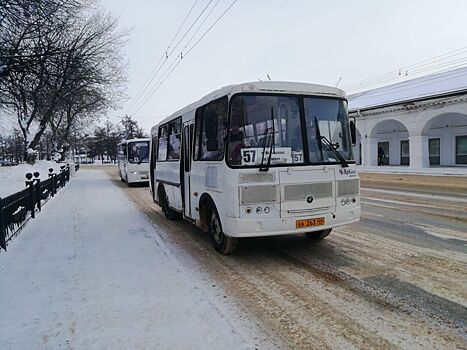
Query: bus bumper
x=260, y=227
x=134, y=176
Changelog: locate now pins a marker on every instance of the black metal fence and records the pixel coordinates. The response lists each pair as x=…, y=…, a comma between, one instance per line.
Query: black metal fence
x=18, y=208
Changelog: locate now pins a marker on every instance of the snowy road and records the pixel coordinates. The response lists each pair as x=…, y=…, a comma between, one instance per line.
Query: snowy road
x=91, y=272
x=397, y=279
x=113, y=273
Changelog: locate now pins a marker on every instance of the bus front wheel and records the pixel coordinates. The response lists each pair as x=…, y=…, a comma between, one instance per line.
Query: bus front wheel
x=319, y=235
x=222, y=243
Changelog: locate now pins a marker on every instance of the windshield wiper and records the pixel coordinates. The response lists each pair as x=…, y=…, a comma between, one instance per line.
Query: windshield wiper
x=329, y=145
x=268, y=164
x=338, y=155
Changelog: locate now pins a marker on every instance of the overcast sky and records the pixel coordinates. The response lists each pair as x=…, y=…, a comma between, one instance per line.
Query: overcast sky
x=295, y=40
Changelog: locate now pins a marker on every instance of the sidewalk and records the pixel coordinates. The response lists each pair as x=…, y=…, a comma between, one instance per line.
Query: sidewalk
x=90, y=272
x=432, y=171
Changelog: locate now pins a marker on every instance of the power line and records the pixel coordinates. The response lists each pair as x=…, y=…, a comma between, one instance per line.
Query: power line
x=446, y=55
x=409, y=85
x=434, y=68
x=399, y=71
x=168, y=54
x=146, y=83
x=181, y=56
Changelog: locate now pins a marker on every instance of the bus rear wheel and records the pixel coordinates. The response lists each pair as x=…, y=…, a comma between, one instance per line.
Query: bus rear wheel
x=319, y=235
x=222, y=243
x=164, y=204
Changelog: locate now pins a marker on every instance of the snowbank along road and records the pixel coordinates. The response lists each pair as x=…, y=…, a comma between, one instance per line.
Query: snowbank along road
x=396, y=279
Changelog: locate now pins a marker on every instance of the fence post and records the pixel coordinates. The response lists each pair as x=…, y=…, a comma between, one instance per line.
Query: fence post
x=30, y=185
x=62, y=176
x=52, y=175
x=2, y=227
x=38, y=190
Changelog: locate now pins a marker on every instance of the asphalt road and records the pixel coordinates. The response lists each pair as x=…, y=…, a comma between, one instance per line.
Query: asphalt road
x=396, y=279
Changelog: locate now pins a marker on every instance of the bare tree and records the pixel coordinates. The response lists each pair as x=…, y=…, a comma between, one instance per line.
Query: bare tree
x=131, y=128
x=81, y=77
x=22, y=22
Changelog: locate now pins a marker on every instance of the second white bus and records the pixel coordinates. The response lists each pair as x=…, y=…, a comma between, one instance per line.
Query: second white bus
x=258, y=159
x=133, y=160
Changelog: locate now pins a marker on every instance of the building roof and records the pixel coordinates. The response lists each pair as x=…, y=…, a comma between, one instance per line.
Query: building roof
x=434, y=85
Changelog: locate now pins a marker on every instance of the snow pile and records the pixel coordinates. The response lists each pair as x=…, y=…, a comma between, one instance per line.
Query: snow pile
x=90, y=272
x=12, y=178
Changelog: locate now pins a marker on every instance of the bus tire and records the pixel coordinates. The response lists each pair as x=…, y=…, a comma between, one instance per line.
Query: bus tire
x=222, y=243
x=164, y=204
x=319, y=235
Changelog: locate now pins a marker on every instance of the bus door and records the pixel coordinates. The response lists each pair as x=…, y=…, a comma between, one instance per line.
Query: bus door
x=122, y=160
x=187, y=141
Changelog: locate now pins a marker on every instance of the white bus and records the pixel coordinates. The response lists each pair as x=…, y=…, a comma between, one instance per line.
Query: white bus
x=133, y=160
x=258, y=159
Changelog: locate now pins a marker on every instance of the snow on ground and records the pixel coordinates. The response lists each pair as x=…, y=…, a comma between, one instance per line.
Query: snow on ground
x=12, y=178
x=435, y=171
x=90, y=272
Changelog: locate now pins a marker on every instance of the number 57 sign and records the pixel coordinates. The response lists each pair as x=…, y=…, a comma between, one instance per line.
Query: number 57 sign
x=253, y=156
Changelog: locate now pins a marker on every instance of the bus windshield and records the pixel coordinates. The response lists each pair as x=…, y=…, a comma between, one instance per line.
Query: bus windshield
x=138, y=152
x=327, y=118
x=263, y=124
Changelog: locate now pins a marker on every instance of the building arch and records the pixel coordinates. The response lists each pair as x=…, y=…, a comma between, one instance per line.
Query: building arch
x=392, y=137
x=446, y=137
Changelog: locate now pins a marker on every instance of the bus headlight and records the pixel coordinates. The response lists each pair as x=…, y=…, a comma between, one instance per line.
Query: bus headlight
x=248, y=210
x=267, y=210
x=259, y=210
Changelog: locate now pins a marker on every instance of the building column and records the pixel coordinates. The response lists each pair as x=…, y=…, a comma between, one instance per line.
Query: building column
x=370, y=151
x=418, y=146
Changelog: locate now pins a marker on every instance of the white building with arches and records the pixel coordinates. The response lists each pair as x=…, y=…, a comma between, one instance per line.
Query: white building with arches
x=418, y=123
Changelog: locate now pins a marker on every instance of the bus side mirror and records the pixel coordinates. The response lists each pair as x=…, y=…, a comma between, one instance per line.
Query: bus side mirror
x=353, y=132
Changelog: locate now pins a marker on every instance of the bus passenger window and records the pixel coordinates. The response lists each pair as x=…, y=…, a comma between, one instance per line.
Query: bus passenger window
x=175, y=129
x=218, y=108
x=162, y=148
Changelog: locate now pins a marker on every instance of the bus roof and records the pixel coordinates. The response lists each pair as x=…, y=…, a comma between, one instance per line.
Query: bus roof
x=284, y=87
x=133, y=140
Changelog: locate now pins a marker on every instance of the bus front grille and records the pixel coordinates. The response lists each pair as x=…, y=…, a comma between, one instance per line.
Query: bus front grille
x=302, y=191
x=259, y=194
x=348, y=187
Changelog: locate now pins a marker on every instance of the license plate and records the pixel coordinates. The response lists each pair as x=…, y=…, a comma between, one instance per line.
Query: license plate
x=309, y=222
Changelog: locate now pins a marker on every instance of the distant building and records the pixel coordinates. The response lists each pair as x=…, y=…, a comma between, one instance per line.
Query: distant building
x=420, y=122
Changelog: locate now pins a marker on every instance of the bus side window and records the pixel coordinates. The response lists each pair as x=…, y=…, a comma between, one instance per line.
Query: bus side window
x=216, y=108
x=175, y=129
x=162, y=147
